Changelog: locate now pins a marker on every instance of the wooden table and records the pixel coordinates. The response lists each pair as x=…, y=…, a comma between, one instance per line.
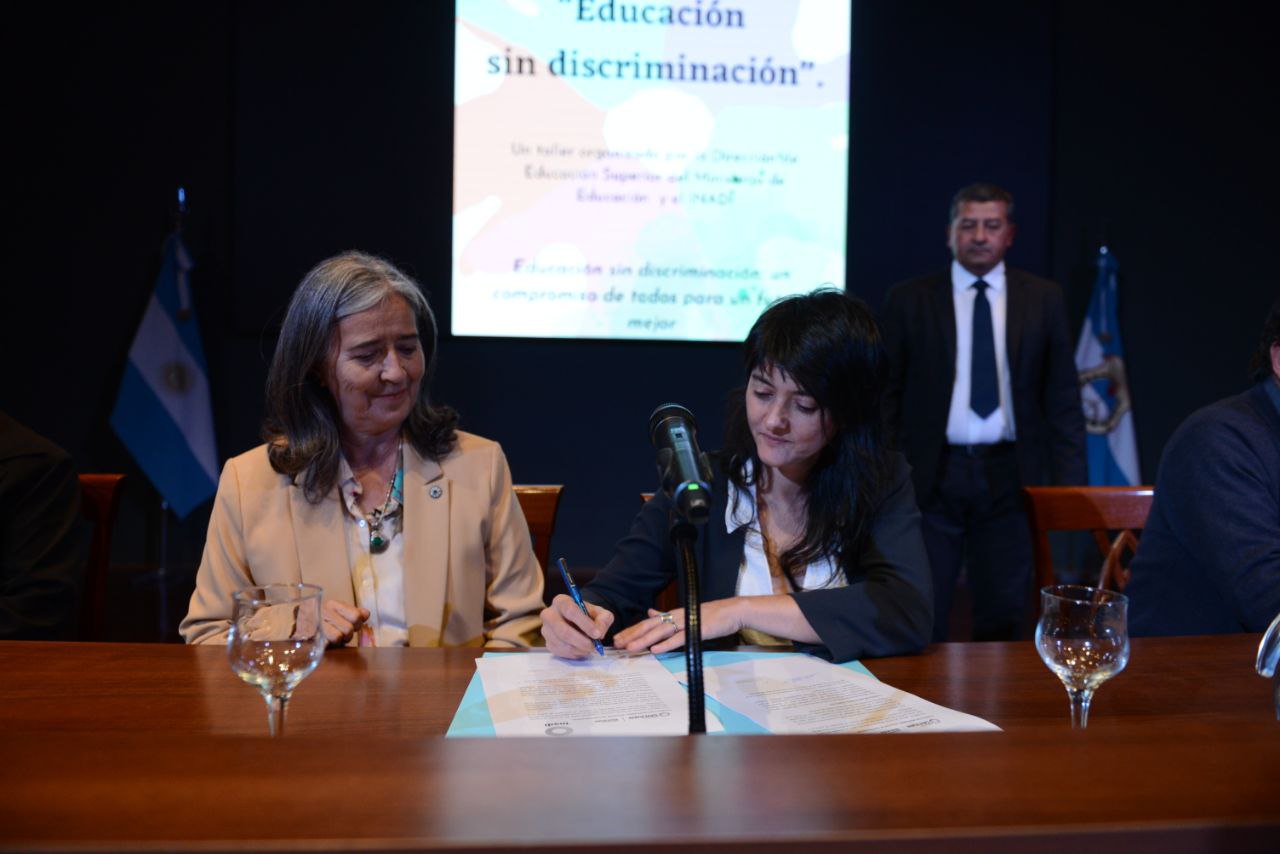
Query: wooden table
x=161, y=748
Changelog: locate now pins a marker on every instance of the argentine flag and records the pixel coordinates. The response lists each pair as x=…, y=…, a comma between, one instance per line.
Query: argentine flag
x=163, y=414
x=1104, y=386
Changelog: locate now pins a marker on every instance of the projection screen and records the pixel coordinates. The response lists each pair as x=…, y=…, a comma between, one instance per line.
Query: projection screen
x=646, y=170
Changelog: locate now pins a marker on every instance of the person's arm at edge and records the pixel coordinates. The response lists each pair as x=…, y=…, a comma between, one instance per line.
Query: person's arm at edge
x=223, y=567
x=1239, y=545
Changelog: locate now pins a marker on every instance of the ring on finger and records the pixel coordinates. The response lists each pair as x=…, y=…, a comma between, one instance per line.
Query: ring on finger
x=665, y=617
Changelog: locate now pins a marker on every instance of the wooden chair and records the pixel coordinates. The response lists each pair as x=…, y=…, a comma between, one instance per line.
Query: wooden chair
x=539, y=504
x=1100, y=509
x=99, y=503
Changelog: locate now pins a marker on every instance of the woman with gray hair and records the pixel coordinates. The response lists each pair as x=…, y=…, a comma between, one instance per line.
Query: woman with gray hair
x=365, y=487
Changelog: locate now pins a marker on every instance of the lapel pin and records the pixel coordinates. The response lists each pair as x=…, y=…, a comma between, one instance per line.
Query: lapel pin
x=435, y=492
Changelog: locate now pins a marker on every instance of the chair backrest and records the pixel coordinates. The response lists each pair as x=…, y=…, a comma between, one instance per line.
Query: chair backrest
x=1100, y=509
x=99, y=502
x=539, y=504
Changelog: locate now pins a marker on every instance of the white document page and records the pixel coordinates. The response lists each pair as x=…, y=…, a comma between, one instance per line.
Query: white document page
x=538, y=694
x=802, y=694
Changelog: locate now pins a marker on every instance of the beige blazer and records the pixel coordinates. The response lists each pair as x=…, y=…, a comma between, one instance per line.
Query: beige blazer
x=470, y=576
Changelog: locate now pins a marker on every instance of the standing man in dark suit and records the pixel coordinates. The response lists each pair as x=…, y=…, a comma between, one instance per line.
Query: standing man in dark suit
x=984, y=399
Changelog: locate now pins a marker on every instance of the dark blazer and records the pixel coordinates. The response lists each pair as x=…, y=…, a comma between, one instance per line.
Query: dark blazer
x=919, y=324
x=887, y=609
x=42, y=555
x=1209, y=557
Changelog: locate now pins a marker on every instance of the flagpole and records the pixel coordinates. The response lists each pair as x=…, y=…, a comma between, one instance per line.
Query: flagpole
x=162, y=572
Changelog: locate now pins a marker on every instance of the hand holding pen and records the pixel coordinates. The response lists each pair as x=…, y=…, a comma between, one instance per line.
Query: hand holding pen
x=570, y=622
x=577, y=598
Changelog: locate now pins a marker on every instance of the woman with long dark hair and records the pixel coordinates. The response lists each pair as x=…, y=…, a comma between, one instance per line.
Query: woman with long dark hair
x=365, y=487
x=814, y=536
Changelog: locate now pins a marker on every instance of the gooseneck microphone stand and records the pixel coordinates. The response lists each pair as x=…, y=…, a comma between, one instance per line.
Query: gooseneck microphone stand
x=683, y=535
x=685, y=475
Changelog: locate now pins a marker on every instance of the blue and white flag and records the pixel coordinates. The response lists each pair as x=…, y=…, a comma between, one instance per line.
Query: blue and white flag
x=1104, y=386
x=163, y=414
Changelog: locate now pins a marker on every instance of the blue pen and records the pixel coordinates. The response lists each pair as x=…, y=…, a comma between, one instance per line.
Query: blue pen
x=577, y=597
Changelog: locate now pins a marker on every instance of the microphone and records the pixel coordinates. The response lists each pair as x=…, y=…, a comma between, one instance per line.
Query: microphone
x=683, y=469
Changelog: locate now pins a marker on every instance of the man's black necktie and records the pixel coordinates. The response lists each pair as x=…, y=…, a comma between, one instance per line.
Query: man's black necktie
x=984, y=390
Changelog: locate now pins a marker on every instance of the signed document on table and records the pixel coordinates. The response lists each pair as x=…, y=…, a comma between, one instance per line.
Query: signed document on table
x=802, y=694
x=539, y=694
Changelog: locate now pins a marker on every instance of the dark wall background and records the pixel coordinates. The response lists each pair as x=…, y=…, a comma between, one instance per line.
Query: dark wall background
x=1159, y=138
x=301, y=129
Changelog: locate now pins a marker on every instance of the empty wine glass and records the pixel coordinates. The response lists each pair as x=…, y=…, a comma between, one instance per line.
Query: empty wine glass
x=1083, y=635
x=276, y=640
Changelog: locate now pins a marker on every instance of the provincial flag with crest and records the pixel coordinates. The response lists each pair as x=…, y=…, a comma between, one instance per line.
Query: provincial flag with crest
x=1104, y=386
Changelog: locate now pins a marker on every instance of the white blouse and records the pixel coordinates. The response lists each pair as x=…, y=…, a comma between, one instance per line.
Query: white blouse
x=754, y=578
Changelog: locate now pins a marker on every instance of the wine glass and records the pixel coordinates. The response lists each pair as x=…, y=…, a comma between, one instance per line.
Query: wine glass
x=276, y=640
x=1083, y=635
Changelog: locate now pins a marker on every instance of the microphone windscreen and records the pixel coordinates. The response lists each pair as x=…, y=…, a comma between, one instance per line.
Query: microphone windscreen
x=665, y=412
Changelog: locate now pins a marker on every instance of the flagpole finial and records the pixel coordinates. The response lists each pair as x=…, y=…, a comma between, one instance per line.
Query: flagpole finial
x=181, y=212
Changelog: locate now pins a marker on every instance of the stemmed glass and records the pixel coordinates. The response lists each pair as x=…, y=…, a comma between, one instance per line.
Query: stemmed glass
x=1083, y=635
x=276, y=640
